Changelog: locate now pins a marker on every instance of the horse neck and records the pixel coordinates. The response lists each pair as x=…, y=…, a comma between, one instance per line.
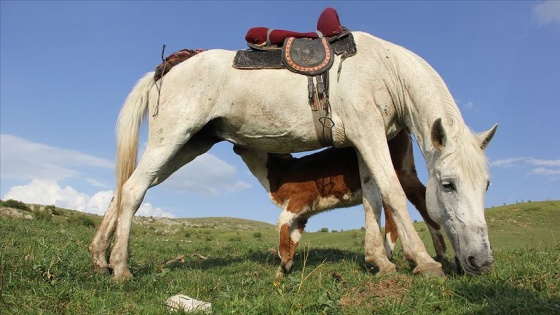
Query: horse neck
x=426, y=99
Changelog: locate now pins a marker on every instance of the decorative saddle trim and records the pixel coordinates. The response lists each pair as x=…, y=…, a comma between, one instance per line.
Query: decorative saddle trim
x=307, y=56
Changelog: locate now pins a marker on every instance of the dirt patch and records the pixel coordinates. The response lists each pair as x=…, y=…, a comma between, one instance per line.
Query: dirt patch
x=385, y=291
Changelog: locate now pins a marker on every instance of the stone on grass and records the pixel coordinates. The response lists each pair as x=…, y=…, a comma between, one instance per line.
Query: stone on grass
x=188, y=304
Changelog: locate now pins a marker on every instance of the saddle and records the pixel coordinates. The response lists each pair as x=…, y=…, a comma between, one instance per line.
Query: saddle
x=310, y=54
x=172, y=60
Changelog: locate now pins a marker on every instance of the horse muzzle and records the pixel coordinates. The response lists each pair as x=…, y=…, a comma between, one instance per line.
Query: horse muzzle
x=476, y=264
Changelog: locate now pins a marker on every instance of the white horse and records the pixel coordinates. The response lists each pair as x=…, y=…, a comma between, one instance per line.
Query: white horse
x=382, y=89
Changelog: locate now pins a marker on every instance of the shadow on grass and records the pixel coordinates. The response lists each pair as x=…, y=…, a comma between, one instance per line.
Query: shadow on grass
x=314, y=257
x=502, y=298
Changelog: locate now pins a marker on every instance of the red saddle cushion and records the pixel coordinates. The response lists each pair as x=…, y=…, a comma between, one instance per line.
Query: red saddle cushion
x=328, y=24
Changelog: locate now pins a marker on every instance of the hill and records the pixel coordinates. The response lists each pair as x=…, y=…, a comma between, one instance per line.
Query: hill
x=45, y=268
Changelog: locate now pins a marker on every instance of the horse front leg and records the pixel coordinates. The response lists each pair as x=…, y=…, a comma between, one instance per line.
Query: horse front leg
x=415, y=191
x=375, y=159
x=373, y=243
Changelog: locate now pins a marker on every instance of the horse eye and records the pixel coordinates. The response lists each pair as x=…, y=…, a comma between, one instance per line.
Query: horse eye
x=448, y=186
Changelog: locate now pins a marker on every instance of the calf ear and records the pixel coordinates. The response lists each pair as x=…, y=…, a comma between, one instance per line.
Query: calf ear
x=485, y=137
x=439, y=137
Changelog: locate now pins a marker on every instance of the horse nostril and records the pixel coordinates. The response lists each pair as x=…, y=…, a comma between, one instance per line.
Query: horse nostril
x=472, y=262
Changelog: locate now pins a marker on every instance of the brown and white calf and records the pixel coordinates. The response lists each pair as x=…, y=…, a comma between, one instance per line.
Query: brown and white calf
x=330, y=179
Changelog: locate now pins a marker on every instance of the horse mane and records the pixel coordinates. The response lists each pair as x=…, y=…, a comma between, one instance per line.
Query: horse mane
x=463, y=150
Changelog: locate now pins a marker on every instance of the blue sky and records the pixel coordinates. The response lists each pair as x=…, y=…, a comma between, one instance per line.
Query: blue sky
x=66, y=67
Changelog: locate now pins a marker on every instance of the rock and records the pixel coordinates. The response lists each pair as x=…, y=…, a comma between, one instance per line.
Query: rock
x=187, y=304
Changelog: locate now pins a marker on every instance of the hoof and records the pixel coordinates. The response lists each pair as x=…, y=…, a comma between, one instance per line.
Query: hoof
x=101, y=270
x=121, y=275
x=430, y=270
x=287, y=267
x=388, y=269
x=121, y=278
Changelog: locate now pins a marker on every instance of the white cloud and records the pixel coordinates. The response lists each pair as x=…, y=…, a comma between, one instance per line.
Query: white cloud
x=465, y=104
x=549, y=163
x=206, y=175
x=547, y=13
x=24, y=159
x=99, y=202
x=147, y=210
x=511, y=162
x=49, y=192
x=548, y=168
x=546, y=172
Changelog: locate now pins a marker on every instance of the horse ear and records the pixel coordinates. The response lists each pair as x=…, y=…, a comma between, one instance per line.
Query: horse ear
x=439, y=137
x=485, y=137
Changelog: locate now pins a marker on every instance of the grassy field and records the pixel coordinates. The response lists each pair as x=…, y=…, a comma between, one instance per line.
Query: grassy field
x=45, y=269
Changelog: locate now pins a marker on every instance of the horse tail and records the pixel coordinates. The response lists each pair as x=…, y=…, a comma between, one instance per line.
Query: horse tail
x=132, y=115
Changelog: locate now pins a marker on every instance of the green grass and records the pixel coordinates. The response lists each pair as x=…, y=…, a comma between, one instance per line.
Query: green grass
x=45, y=269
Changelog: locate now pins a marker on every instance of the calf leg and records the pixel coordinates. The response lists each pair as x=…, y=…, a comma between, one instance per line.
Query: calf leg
x=391, y=234
x=291, y=227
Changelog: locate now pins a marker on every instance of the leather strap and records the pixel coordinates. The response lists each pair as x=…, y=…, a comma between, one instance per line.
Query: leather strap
x=320, y=108
x=268, y=42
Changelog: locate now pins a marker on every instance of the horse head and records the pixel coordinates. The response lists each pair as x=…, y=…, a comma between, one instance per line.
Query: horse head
x=456, y=191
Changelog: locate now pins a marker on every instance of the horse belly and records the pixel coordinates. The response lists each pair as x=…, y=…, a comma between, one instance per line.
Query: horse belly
x=270, y=123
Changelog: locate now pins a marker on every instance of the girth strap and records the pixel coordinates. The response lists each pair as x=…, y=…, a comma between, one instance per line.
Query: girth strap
x=320, y=108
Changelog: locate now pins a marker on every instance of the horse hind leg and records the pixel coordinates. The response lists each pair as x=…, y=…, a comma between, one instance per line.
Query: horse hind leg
x=155, y=166
x=100, y=244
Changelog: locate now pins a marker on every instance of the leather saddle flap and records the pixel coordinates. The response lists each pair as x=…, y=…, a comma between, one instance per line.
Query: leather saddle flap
x=307, y=56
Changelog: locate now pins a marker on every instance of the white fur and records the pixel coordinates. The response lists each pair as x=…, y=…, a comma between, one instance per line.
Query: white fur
x=381, y=90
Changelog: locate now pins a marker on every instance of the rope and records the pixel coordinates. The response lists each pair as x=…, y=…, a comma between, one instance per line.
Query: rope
x=156, y=109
